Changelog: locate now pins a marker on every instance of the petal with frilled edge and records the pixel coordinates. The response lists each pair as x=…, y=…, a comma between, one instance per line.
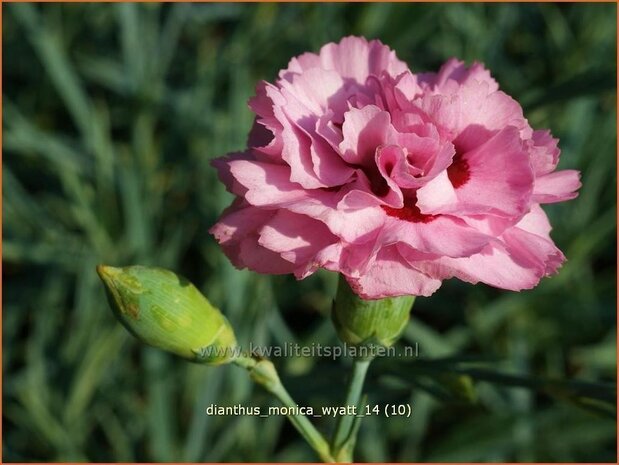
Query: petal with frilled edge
x=557, y=187
x=390, y=275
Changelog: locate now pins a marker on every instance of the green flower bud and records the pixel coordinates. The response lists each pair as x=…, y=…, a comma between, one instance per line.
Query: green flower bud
x=166, y=311
x=358, y=321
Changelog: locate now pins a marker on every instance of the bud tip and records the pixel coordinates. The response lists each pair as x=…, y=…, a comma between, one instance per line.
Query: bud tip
x=106, y=272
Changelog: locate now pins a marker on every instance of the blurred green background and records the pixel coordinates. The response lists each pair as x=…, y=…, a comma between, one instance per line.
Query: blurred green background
x=111, y=116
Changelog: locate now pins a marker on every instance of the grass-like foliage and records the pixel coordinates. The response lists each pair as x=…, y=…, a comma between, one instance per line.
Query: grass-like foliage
x=112, y=114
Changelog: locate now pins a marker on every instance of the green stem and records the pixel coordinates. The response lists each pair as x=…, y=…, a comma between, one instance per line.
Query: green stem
x=345, y=423
x=263, y=372
x=305, y=427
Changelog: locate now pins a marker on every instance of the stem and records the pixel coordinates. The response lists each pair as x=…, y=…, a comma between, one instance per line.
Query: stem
x=305, y=427
x=344, y=425
x=263, y=372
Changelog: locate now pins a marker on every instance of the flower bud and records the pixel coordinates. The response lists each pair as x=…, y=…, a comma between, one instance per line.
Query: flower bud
x=166, y=311
x=358, y=321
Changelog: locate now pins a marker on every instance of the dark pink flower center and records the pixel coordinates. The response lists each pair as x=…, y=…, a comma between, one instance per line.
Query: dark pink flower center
x=409, y=212
x=459, y=172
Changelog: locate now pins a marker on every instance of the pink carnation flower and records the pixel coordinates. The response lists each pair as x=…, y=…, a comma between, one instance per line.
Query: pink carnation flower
x=398, y=181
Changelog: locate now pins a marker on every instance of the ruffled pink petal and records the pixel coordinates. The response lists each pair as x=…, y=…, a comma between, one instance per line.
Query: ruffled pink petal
x=329, y=166
x=259, y=259
x=496, y=178
x=222, y=165
x=536, y=222
x=473, y=103
x=393, y=167
x=492, y=266
x=259, y=136
x=266, y=97
x=456, y=70
x=293, y=124
x=437, y=195
x=365, y=192
x=330, y=133
x=557, y=187
x=299, y=64
x=356, y=258
x=237, y=234
x=428, y=154
x=327, y=258
x=314, y=163
x=297, y=152
x=303, y=241
x=533, y=251
x=387, y=92
x=316, y=90
x=364, y=131
x=393, y=164
x=391, y=276
x=517, y=260
x=238, y=219
x=517, y=264
x=544, y=152
x=267, y=184
x=309, y=97
x=440, y=235
x=265, y=136
x=490, y=224
x=421, y=148
x=355, y=58
x=406, y=89
x=352, y=226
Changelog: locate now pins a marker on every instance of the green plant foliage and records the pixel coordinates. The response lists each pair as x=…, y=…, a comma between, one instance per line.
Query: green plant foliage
x=112, y=113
